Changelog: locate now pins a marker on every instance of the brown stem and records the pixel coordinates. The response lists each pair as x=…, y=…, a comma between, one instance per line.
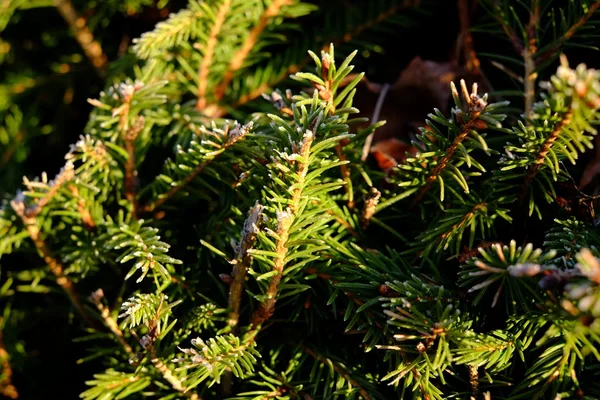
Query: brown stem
x=83, y=35
x=471, y=60
x=211, y=44
x=340, y=370
x=369, y=208
x=130, y=168
x=166, y=373
x=86, y=217
x=377, y=20
x=465, y=219
x=54, y=265
x=512, y=36
x=7, y=389
x=541, y=156
x=218, y=111
x=234, y=136
x=285, y=220
x=443, y=162
x=238, y=59
x=110, y=321
x=345, y=171
x=66, y=175
x=344, y=223
x=528, y=57
x=570, y=32
x=242, y=263
x=474, y=379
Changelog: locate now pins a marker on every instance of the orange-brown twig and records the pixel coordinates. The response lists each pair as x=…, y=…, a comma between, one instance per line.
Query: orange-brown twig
x=7, y=389
x=240, y=57
x=209, y=51
x=54, y=265
x=83, y=35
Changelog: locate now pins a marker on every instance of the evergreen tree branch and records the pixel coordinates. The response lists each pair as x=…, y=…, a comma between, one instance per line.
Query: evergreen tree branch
x=54, y=265
x=545, y=148
x=528, y=57
x=339, y=369
x=242, y=263
x=471, y=61
x=86, y=217
x=237, y=133
x=570, y=32
x=6, y=387
x=476, y=106
x=238, y=59
x=285, y=220
x=109, y=321
x=390, y=12
x=207, y=58
x=175, y=382
x=83, y=35
x=65, y=175
x=130, y=169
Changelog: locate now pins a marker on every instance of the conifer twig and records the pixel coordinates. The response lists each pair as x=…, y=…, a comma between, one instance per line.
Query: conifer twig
x=471, y=60
x=240, y=57
x=285, y=220
x=209, y=51
x=54, y=265
x=476, y=106
x=110, y=322
x=370, y=206
x=130, y=169
x=83, y=35
x=340, y=370
x=528, y=57
x=238, y=133
x=570, y=32
x=7, y=389
x=86, y=217
x=544, y=149
x=390, y=12
x=380, y=99
x=242, y=263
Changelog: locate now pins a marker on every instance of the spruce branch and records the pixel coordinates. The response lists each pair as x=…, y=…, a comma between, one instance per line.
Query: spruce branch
x=476, y=105
x=209, y=50
x=340, y=369
x=216, y=356
x=542, y=153
x=6, y=386
x=384, y=15
x=529, y=56
x=240, y=56
x=130, y=169
x=472, y=62
x=82, y=208
x=545, y=55
x=284, y=222
x=109, y=321
x=149, y=310
x=31, y=225
x=242, y=262
x=83, y=35
x=217, y=142
x=65, y=175
x=370, y=206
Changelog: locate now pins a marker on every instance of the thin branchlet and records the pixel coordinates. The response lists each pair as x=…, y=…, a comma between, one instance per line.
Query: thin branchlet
x=284, y=222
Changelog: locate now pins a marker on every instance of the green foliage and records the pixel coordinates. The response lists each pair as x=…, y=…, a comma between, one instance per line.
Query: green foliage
x=295, y=268
x=210, y=359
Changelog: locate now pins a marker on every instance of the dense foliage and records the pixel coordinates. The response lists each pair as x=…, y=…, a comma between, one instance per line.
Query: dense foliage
x=221, y=231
